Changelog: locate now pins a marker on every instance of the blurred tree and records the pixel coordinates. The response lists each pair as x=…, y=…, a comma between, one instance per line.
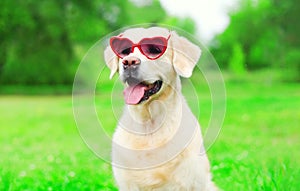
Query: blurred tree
x=237, y=60
x=38, y=38
x=268, y=32
x=37, y=46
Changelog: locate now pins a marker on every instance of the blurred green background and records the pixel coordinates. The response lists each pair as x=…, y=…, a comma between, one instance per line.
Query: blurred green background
x=43, y=42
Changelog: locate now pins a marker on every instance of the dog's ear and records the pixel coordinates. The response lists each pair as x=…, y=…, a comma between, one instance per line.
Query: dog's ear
x=185, y=55
x=111, y=61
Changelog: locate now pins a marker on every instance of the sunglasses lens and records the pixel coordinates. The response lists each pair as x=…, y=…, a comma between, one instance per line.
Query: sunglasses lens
x=153, y=47
x=122, y=47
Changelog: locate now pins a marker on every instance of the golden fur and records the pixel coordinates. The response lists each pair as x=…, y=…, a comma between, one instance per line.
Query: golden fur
x=153, y=125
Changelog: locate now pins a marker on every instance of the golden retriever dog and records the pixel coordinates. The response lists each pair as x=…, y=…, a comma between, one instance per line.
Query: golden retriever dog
x=157, y=144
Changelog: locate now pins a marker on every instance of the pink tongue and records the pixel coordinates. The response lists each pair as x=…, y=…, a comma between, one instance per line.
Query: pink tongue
x=133, y=94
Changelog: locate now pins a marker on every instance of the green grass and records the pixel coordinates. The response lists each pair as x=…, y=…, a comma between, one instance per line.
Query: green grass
x=257, y=149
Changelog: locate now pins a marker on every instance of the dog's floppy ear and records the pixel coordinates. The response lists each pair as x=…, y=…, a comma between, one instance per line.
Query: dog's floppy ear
x=111, y=61
x=185, y=55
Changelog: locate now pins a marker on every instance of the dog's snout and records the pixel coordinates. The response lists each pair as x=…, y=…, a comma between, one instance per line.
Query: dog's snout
x=131, y=61
x=131, y=67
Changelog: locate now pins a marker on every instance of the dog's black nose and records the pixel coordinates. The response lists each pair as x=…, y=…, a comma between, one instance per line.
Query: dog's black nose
x=131, y=61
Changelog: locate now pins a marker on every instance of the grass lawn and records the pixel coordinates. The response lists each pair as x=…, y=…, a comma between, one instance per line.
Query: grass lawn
x=257, y=149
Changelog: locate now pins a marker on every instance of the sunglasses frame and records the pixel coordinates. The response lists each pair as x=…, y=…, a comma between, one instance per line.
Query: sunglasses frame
x=138, y=45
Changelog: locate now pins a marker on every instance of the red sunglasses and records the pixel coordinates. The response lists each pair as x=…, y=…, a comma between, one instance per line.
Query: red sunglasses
x=152, y=48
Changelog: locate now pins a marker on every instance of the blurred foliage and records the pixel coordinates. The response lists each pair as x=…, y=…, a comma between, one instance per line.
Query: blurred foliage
x=42, y=42
x=266, y=32
x=38, y=39
x=237, y=60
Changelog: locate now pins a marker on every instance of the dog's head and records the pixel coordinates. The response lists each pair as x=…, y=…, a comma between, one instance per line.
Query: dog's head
x=149, y=61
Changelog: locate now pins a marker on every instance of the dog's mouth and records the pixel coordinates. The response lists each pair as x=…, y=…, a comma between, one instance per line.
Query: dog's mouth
x=137, y=93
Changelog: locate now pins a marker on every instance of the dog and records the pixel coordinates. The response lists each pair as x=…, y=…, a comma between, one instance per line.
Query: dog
x=157, y=144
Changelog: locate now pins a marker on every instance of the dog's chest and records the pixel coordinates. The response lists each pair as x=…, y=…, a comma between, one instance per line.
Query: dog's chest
x=160, y=134
x=154, y=178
